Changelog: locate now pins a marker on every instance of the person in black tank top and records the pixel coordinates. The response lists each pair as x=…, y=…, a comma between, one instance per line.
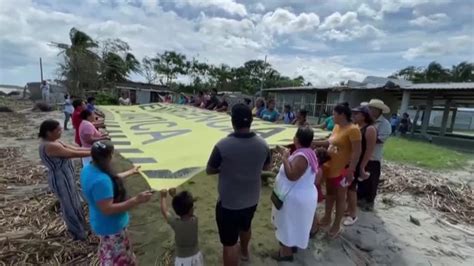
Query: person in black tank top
x=361, y=117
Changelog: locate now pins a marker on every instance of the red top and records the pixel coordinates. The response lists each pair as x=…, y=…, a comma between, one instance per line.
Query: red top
x=76, y=122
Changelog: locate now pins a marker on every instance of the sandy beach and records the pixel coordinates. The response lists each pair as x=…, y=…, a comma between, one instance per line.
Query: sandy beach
x=385, y=237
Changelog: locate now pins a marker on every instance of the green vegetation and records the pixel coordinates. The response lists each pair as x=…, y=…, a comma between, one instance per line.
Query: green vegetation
x=423, y=154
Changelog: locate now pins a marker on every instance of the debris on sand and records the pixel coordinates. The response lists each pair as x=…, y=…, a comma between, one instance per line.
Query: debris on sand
x=31, y=228
x=454, y=200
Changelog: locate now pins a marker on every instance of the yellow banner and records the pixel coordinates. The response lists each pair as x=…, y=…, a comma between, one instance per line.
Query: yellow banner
x=172, y=143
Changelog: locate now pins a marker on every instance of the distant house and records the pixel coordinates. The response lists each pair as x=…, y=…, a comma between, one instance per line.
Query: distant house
x=56, y=95
x=142, y=93
x=436, y=106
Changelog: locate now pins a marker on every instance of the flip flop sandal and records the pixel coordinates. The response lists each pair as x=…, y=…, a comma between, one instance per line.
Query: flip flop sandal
x=350, y=220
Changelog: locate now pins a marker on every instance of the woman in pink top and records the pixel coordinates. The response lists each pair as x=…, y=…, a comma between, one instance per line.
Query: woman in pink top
x=88, y=133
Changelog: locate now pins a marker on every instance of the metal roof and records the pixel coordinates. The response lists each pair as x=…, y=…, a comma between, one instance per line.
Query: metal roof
x=441, y=86
x=307, y=88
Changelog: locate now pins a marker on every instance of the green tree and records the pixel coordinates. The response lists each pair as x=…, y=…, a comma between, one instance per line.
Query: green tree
x=80, y=63
x=463, y=72
x=170, y=64
x=117, y=62
x=436, y=73
x=148, y=70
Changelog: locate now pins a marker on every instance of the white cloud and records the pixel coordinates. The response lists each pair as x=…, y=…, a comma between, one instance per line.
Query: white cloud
x=336, y=20
x=393, y=6
x=282, y=21
x=366, y=11
x=354, y=33
x=319, y=71
x=463, y=44
x=259, y=7
x=230, y=6
x=433, y=20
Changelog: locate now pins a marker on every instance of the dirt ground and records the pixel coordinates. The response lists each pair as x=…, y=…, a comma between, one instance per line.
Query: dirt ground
x=385, y=237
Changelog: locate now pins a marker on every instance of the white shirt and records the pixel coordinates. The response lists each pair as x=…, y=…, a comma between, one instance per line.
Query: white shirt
x=384, y=130
x=44, y=88
x=123, y=101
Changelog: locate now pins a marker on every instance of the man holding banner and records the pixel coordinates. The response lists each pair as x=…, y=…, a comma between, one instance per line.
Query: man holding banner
x=239, y=160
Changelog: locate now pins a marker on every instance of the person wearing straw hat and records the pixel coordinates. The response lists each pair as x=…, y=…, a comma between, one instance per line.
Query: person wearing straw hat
x=367, y=190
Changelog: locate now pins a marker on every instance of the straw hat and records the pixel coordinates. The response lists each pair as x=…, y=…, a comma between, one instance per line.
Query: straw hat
x=378, y=104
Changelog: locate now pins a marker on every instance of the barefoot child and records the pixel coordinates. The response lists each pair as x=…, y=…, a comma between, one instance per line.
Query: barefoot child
x=323, y=157
x=185, y=227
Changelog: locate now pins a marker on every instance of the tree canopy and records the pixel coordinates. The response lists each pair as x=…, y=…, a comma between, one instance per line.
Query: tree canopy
x=92, y=65
x=435, y=72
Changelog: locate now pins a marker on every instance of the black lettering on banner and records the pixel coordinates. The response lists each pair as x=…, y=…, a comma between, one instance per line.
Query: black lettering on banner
x=268, y=132
x=147, y=107
x=142, y=160
x=167, y=174
x=161, y=135
x=146, y=119
x=139, y=127
x=129, y=150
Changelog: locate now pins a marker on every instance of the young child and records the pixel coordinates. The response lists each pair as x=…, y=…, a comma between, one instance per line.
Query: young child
x=185, y=227
x=323, y=157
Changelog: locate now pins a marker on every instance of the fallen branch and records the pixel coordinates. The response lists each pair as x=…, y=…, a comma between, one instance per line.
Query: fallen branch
x=464, y=230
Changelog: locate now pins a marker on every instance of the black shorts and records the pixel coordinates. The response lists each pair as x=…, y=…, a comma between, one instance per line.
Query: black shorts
x=231, y=222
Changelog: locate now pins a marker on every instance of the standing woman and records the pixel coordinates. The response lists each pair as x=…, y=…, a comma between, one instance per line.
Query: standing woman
x=294, y=186
x=106, y=196
x=88, y=133
x=344, y=150
x=68, y=110
x=56, y=156
x=362, y=117
x=259, y=107
x=300, y=120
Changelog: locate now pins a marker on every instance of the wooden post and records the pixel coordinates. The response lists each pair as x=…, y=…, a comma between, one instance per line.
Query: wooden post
x=444, y=121
x=315, y=103
x=453, y=120
x=415, y=119
x=427, y=114
x=342, y=96
x=41, y=69
x=405, y=102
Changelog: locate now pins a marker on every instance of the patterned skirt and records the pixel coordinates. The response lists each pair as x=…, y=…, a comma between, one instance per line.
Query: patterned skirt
x=116, y=250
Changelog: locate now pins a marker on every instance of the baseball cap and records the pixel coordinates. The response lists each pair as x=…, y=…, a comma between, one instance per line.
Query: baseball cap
x=241, y=114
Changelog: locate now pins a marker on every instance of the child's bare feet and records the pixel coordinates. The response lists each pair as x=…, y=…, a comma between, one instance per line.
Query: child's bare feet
x=172, y=192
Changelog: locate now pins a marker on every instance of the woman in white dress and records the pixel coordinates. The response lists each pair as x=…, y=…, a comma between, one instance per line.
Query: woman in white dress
x=295, y=187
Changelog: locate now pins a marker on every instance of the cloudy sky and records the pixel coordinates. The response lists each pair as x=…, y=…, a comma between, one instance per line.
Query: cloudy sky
x=326, y=41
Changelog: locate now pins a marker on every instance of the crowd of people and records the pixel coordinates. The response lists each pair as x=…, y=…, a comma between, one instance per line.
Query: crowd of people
x=347, y=165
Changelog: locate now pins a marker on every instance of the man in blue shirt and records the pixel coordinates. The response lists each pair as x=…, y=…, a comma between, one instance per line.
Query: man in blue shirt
x=394, y=122
x=270, y=114
x=288, y=115
x=91, y=107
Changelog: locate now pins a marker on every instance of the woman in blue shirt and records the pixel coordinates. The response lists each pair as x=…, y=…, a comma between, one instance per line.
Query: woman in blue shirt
x=270, y=114
x=108, y=203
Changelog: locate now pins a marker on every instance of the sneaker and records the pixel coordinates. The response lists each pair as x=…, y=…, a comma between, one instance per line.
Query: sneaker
x=348, y=221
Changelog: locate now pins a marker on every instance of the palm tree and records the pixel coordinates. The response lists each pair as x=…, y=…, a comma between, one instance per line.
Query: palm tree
x=463, y=72
x=80, y=62
x=436, y=73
